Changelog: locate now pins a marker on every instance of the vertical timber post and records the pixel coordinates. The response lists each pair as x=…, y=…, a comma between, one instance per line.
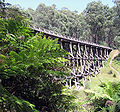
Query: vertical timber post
x=105, y=55
x=101, y=58
x=73, y=61
x=61, y=44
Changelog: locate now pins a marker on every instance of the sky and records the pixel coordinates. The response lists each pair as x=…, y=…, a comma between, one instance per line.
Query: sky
x=78, y=5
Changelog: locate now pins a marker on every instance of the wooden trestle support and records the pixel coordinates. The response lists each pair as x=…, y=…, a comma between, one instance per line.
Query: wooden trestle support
x=85, y=59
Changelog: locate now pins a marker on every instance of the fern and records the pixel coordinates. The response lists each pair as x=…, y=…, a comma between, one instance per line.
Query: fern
x=9, y=102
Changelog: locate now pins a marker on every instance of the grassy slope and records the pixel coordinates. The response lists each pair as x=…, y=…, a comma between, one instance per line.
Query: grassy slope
x=116, y=65
x=104, y=76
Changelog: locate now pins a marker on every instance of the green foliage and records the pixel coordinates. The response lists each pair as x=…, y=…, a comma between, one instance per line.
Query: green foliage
x=38, y=53
x=38, y=62
x=117, y=58
x=116, y=63
x=96, y=99
x=9, y=102
x=97, y=23
x=106, y=98
x=13, y=33
x=64, y=22
x=41, y=61
x=17, y=26
x=99, y=19
x=117, y=42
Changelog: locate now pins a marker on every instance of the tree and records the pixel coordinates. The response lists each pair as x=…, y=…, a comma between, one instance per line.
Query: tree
x=117, y=42
x=95, y=16
x=3, y=6
x=62, y=21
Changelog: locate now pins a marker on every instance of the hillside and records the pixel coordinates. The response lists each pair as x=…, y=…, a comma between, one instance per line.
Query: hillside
x=109, y=74
x=34, y=68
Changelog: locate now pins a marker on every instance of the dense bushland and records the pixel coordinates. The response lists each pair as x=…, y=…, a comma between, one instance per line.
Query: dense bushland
x=32, y=70
x=32, y=67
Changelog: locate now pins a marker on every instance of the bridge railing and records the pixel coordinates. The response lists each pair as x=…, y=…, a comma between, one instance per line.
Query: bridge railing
x=49, y=32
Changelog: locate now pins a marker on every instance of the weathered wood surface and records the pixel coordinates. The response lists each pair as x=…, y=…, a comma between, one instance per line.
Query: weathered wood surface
x=66, y=38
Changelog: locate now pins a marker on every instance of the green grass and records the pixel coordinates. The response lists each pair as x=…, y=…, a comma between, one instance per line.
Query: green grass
x=116, y=65
x=112, y=53
x=80, y=95
x=104, y=76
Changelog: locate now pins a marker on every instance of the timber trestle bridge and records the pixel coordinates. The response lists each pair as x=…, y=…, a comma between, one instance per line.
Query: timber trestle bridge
x=85, y=58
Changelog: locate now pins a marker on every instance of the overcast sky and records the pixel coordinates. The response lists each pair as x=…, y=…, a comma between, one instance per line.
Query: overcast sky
x=78, y=5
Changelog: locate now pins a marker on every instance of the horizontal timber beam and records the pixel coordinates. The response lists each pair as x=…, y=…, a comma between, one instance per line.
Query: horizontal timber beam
x=68, y=39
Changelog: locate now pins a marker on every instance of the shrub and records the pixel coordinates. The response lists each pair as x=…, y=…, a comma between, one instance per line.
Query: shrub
x=114, y=75
x=32, y=69
x=106, y=99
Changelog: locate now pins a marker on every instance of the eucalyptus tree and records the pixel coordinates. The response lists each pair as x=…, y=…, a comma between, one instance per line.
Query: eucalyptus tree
x=75, y=23
x=109, y=27
x=96, y=15
x=97, y=23
x=30, y=14
x=116, y=24
x=44, y=16
x=62, y=21
x=117, y=7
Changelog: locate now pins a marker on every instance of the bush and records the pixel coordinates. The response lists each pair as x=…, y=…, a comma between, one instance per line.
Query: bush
x=32, y=69
x=106, y=99
x=114, y=75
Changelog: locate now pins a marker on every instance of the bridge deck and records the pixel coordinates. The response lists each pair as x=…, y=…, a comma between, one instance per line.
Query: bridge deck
x=69, y=39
